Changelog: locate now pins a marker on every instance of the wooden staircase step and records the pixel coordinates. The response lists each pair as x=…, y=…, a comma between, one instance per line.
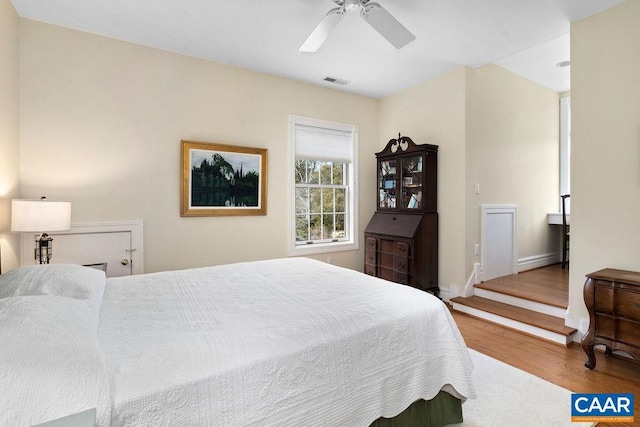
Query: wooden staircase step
x=533, y=292
x=524, y=316
x=520, y=301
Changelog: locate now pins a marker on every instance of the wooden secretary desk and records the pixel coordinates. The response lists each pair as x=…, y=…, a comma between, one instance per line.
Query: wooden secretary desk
x=401, y=239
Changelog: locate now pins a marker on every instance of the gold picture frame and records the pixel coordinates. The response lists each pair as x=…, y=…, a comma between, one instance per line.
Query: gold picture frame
x=223, y=180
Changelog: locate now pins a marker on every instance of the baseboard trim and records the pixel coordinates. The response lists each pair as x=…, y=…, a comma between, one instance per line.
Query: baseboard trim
x=473, y=279
x=537, y=261
x=445, y=294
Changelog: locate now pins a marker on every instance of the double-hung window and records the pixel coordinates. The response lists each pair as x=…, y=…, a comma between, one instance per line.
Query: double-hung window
x=322, y=186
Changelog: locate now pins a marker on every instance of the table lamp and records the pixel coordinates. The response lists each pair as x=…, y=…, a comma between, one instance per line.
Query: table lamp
x=40, y=216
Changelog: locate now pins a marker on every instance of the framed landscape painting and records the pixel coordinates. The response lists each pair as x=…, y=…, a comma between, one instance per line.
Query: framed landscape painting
x=221, y=179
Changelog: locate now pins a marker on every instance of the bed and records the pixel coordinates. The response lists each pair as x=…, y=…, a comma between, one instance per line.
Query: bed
x=284, y=342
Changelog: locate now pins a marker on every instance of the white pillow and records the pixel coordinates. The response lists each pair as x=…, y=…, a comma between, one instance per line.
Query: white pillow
x=65, y=280
x=51, y=364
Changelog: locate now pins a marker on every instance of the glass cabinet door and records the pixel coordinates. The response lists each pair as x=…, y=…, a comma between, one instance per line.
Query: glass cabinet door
x=387, y=183
x=412, y=182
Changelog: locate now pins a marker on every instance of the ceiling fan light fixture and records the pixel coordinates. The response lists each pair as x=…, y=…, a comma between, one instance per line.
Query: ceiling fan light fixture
x=351, y=5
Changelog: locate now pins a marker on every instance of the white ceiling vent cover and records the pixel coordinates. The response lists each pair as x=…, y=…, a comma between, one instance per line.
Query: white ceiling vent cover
x=336, y=80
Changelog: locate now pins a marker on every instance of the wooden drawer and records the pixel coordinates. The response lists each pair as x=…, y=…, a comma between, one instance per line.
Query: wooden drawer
x=387, y=260
x=387, y=273
x=371, y=244
x=387, y=246
x=618, y=329
x=370, y=270
x=621, y=299
x=370, y=257
x=403, y=249
x=402, y=265
x=402, y=278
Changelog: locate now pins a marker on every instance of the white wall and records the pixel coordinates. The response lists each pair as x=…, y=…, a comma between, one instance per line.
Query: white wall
x=434, y=113
x=494, y=128
x=102, y=122
x=512, y=152
x=605, y=147
x=9, y=131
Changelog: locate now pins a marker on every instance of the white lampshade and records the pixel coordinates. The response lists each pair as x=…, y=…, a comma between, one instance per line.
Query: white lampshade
x=39, y=216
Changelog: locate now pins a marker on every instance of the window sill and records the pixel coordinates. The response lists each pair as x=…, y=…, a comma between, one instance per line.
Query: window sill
x=321, y=248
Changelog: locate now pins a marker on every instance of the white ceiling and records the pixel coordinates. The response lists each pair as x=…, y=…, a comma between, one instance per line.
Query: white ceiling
x=524, y=36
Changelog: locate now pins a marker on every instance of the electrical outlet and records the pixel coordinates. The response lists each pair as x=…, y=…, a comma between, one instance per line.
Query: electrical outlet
x=329, y=260
x=476, y=249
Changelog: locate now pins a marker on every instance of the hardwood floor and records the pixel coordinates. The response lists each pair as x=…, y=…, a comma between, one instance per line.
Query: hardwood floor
x=547, y=285
x=555, y=363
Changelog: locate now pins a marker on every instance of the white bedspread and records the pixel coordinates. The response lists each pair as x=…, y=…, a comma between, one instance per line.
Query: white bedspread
x=289, y=342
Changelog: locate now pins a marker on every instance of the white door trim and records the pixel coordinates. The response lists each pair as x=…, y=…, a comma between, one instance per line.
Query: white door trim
x=132, y=226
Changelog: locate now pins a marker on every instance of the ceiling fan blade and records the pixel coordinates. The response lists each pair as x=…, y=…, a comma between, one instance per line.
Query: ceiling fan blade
x=322, y=30
x=388, y=26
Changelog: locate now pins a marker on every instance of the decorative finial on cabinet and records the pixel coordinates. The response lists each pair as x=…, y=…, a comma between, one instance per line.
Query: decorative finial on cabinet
x=401, y=143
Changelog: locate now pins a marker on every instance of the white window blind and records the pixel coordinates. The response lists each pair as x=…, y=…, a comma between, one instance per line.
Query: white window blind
x=316, y=143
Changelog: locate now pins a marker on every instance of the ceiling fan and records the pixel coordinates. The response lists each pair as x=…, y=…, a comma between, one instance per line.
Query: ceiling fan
x=375, y=15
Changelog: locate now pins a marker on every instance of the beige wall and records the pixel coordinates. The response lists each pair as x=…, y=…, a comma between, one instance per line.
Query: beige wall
x=434, y=113
x=101, y=122
x=493, y=128
x=512, y=151
x=605, y=147
x=104, y=120
x=9, y=131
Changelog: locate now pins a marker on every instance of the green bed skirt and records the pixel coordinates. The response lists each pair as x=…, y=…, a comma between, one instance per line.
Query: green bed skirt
x=437, y=412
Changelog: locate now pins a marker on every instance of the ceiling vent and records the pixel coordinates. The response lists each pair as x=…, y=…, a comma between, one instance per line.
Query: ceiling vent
x=336, y=80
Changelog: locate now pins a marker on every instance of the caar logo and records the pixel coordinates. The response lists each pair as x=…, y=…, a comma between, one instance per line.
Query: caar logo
x=602, y=408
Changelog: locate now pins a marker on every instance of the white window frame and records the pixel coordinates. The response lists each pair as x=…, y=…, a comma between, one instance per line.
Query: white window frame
x=351, y=222
x=565, y=149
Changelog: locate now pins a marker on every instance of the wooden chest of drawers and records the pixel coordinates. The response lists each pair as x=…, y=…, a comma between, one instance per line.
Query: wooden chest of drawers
x=613, y=300
x=403, y=249
x=389, y=259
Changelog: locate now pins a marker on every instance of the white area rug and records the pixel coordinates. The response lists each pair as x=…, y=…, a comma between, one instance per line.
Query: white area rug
x=509, y=397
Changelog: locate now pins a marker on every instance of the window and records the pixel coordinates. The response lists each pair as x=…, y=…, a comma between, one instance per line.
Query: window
x=322, y=176
x=565, y=148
